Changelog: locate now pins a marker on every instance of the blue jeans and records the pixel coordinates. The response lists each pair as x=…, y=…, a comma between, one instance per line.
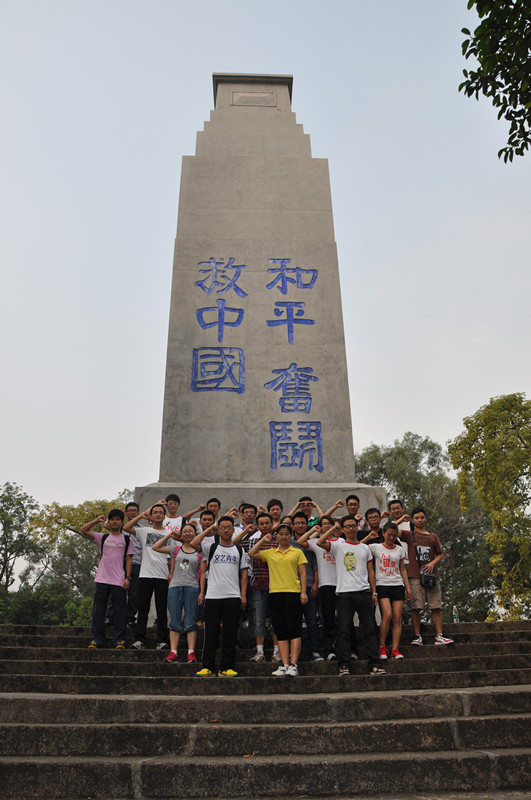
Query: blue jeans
x=260, y=608
x=179, y=598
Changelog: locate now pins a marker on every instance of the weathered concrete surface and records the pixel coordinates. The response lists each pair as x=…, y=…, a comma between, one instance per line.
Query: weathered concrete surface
x=256, y=207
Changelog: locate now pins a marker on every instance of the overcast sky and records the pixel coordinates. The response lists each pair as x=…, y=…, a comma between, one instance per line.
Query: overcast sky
x=100, y=100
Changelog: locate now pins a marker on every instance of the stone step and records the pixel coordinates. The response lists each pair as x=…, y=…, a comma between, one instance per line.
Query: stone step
x=88, y=684
x=130, y=667
x=290, y=775
x=48, y=653
x=452, y=628
x=266, y=709
x=219, y=740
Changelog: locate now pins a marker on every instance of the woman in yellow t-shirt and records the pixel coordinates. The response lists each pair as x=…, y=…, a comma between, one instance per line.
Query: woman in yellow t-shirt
x=287, y=595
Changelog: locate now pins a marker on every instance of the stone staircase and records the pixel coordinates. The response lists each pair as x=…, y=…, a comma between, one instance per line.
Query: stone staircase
x=444, y=721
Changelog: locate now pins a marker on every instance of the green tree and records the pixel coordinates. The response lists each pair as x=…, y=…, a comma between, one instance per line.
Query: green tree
x=16, y=509
x=416, y=471
x=501, y=44
x=494, y=455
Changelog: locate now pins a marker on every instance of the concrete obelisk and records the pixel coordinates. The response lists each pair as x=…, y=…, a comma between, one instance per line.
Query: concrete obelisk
x=256, y=400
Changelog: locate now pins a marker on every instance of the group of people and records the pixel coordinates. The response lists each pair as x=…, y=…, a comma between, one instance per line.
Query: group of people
x=205, y=566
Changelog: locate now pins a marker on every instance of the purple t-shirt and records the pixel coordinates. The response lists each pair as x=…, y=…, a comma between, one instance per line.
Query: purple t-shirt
x=111, y=566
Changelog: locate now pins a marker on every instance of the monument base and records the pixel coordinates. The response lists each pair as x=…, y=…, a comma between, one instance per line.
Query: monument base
x=232, y=494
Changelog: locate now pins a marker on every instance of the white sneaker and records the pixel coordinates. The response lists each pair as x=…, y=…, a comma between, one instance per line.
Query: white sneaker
x=280, y=672
x=161, y=646
x=258, y=657
x=440, y=639
x=417, y=640
x=138, y=645
x=331, y=657
x=275, y=658
x=293, y=671
x=317, y=657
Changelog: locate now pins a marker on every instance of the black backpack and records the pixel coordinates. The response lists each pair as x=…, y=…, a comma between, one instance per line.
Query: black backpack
x=127, y=539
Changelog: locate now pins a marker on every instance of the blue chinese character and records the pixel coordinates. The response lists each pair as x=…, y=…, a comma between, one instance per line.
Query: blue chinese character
x=218, y=369
x=293, y=312
x=287, y=452
x=221, y=322
x=217, y=277
x=282, y=279
x=295, y=384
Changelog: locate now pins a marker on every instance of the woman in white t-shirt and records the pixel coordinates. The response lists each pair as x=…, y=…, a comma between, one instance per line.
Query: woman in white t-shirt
x=392, y=586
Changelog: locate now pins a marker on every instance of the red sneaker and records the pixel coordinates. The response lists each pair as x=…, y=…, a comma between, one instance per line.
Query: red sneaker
x=396, y=654
x=191, y=658
x=171, y=657
x=383, y=652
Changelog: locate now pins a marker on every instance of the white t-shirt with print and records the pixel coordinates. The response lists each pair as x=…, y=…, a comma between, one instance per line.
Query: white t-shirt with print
x=154, y=565
x=224, y=572
x=387, y=564
x=351, y=565
x=326, y=563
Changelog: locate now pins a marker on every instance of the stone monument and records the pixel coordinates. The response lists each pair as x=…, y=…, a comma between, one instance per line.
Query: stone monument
x=256, y=398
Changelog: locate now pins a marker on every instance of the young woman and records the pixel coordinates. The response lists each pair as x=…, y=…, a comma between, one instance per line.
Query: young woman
x=287, y=595
x=392, y=586
x=186, y=588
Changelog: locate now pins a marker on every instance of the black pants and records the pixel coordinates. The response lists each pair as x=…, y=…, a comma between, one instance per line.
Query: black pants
x=327, y=596
x=226, y=611
x=103, y=592
x=348, y=603
x=132, y=594
x=146, y=587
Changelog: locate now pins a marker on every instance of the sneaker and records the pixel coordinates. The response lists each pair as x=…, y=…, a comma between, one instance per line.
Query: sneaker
x=353, y=656
x=383, y=652
x=258, y=658
x=171, y=657
x=343, y=671
x=275, y=658
x=331, y=657
x=205, y=673
x=120, y=645
x=138, y=645
x=229, y=673
x=440, y=639
x=417, y=640
x=293, y=671
x=191, y=659
x=317, y=657
x=396, y=654
x=377, y=671
x=161, y=646
x=280, y=672
x=94, y=645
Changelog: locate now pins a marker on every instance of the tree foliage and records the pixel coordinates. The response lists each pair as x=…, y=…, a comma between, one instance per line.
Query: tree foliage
x=16, y=509
x=494, y=454
x=501, y=44
x=416, y=471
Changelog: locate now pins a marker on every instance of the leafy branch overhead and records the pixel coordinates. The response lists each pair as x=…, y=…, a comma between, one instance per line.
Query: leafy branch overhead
x=501, y=44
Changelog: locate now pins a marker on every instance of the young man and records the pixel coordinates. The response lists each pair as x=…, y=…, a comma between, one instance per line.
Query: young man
x=172, y=521
x=309, y=610
x=153, y=576
x=275, y=508
x=352, y=506
x=112, y=577
x=326, y=567
x=356, y=592
x=225, y=595
x=373, y=519
x=425, y=552
x=260, y=589
x=131, y=511
x=307, y=506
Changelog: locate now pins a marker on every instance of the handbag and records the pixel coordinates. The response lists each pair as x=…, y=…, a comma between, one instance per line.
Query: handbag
x=427, y=579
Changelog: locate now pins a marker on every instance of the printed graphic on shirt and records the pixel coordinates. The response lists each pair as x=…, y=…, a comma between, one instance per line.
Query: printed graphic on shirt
x=224, y=558
x=423, y=553
x=350, y=561
x=185, y=565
